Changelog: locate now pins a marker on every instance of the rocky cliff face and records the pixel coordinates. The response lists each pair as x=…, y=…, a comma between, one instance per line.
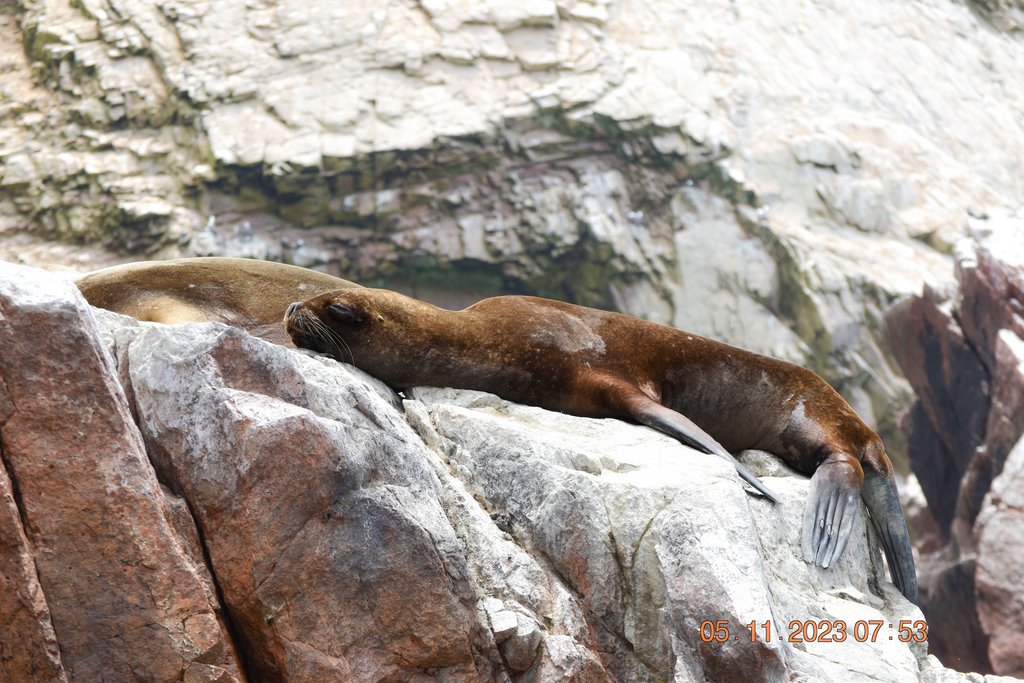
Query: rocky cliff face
x=770, y=175
x=774, y=175
x=963, y=351
x=191, y=503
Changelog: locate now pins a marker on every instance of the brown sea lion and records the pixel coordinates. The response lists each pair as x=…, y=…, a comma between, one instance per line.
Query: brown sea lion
x=715, y=397
x=246, y=293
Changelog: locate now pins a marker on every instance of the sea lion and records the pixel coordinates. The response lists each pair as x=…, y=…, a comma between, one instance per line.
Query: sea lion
x=246, y=293
x=710, y=395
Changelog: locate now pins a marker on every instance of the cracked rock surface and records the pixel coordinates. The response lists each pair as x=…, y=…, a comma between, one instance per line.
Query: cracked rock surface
x=96, y=570
x=188, y=502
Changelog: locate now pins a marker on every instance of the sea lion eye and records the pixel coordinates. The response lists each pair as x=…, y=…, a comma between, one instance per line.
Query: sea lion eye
x=343, y=313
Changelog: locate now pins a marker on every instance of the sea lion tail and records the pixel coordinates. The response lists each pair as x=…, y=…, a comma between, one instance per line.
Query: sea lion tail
x=883, y=505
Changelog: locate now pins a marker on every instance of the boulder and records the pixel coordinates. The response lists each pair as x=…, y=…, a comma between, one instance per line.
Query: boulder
x=948, y=420
x=320, y=515
x=258, y=512
x=1000, y=572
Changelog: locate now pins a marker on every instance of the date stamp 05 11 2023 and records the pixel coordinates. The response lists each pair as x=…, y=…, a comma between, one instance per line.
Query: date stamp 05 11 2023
x=823, y=631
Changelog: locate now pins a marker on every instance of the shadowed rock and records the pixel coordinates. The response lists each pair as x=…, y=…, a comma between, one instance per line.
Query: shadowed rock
x=963, y=352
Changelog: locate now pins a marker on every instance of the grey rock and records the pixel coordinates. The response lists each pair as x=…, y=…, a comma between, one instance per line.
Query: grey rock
x=504, y=623
x=520, y=649
x=651, y=517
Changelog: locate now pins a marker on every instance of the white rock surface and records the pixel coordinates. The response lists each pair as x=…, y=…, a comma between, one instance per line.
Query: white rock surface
x=657, y=538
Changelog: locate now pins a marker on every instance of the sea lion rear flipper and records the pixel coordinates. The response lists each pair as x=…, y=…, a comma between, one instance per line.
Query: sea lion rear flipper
x=883, y=504
x=649, y=412
x=832, y=511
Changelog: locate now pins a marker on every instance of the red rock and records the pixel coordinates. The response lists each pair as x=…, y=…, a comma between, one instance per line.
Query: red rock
x=948, y=421
x=127, y=600
x=1006, y=416
x=28, y=645
x=1004, y=427
x=1000, y=575
x=991, y=278
x=333, y=556
x=964, y=356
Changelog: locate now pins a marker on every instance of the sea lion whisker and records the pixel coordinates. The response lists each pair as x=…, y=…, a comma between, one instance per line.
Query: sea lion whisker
x=330, y=338
x=314, y=328
x=309, y=325
x=338, y=341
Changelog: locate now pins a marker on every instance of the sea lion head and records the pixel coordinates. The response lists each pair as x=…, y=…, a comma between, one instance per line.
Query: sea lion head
x=327, y=323
x=370, y=328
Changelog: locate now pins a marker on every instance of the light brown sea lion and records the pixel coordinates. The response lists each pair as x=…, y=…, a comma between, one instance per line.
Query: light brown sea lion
x=246, y=293
x=715, y=397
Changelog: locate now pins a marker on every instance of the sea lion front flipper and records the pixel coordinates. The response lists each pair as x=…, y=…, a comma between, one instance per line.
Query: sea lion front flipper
x=883, y=504
x=832, y=511
x=649, y=412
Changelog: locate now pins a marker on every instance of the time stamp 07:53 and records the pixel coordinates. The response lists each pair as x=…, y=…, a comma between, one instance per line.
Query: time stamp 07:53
x=823, y=631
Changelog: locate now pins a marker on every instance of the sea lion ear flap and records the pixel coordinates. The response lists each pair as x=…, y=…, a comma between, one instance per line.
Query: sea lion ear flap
x=345, y=314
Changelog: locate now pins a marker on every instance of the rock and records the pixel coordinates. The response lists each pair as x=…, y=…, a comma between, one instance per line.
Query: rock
x=1000, y=573
x=964, y=355
x=520, y=649
x=1006, y=415
x=320, y=516
x=752, y=182
x=1006, y=15
x=932, y=671
x=350, y=535
x=126, y=596
x=30, y=650
x=990, y=271
x=504, y=623
x=948, y=421
x=955, y=633
x=637, y=525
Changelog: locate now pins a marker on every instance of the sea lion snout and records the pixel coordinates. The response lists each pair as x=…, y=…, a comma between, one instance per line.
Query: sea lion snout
x=305, y=323
x=296, y=324
x=292, y=317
